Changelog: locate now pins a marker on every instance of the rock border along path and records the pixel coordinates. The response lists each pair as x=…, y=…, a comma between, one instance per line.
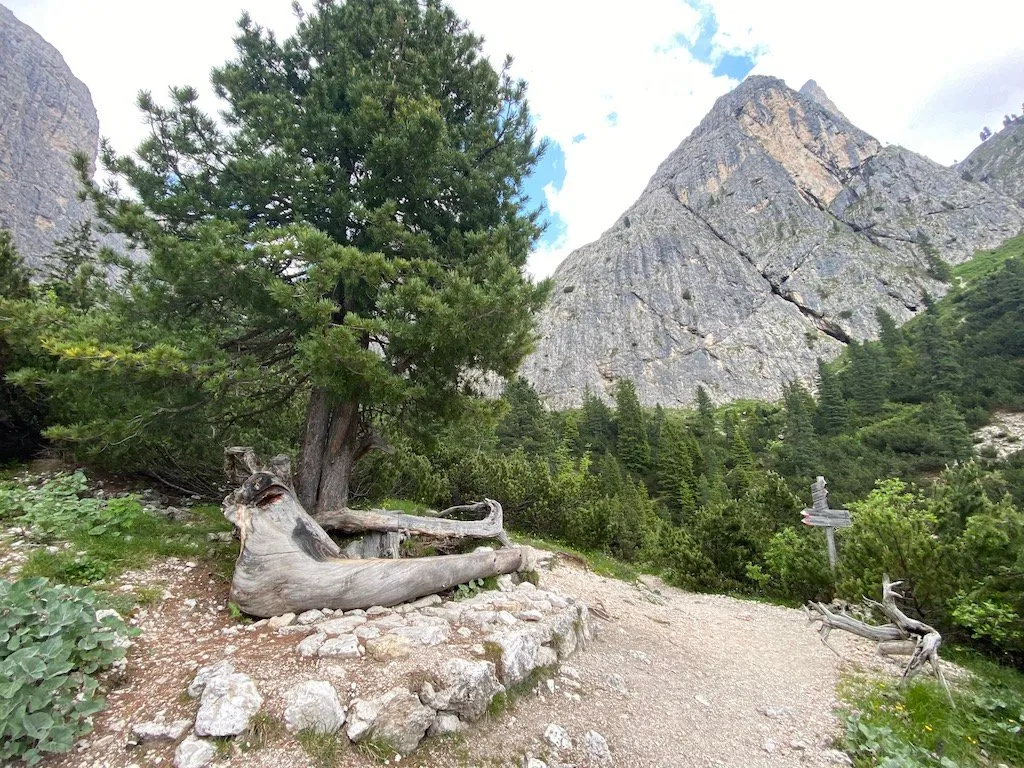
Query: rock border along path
x=670, y=679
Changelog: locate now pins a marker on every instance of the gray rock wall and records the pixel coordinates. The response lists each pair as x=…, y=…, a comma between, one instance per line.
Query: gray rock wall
x=46, y=115
x=999, y=162
x=765, y=241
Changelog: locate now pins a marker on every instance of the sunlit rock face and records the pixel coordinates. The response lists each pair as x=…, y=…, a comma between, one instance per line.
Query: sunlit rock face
x=765, y=241
x=46, y=116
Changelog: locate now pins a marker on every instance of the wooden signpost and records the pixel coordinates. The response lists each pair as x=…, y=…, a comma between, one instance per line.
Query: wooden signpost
x=818, y=514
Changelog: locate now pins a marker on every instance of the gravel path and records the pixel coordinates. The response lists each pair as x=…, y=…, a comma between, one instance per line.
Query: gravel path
x=702, y=680
x=685, y=680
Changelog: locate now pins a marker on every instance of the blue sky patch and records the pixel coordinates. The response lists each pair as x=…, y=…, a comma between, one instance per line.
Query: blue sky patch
x=578, y=138
x=735, y=66
x=613, y=118
x=549, y=170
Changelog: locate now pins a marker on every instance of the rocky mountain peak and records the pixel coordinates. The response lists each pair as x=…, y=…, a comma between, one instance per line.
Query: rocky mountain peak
x=816, y=92
x=764, y=242
x=46, y=115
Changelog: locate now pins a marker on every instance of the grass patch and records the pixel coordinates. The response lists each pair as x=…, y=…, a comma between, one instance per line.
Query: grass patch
x=887, y=724
x=107, y=537
x=264, y=729
x=401, y=505
x=325, y=749
x=599, y=562
x=986, y=262
x=378, y=751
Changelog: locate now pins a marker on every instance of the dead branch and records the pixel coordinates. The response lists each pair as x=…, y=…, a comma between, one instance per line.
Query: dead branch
x=924, y=638
x=288, y=563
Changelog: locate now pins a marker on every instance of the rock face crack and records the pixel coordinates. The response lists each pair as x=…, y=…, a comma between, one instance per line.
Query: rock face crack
x=818, y=320
x=769, y=187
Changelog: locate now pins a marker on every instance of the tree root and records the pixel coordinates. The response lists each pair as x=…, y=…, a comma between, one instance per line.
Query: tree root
x=925, y=639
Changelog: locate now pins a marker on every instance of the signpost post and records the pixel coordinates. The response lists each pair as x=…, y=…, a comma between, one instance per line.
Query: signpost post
x=818, y=514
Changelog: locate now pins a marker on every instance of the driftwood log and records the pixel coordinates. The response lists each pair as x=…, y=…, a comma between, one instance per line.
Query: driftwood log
x=901, y=635
x=288, y=563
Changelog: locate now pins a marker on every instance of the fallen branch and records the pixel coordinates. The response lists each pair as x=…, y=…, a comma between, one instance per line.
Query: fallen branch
x=288, y=563
x=924, y=638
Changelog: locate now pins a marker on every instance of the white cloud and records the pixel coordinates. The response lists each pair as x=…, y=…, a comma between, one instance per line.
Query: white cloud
x=926, y=75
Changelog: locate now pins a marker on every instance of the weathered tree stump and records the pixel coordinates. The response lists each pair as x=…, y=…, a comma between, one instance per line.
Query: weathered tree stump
x=902, y=635
x=288, y=563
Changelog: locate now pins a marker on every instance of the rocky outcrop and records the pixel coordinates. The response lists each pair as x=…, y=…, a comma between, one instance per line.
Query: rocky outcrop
x=46, y=115
x=765, y=241
x=814, y=91
x=999, y=161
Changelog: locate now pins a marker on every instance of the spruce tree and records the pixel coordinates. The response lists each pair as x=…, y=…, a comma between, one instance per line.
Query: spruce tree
x=596, y=427
x=526, y=424
x=352, y=235
x=631, y=430
x=833, y=415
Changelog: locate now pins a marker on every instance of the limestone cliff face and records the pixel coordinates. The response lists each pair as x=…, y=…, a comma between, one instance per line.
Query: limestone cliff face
x=999, y=162
x=46, y=115
x=765, y=241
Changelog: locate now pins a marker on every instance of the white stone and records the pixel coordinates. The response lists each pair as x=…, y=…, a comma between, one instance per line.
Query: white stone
x=361, y=716
x=340, y=626
x=310, y=645
x=505, y=583
x=533, y=762
x=309, y=617
x=194, y=753
x=401, y=721
x=465, y=688
x=428, y=636
x=366, y=633
x=546, y=657
x=596, y=748
x=426, y=602
x=284, y=620
x=530, y=616
x=768, y=746
x=227, y=704
x=445, y=722
x=152, y=731
x=314, y=706
x=557, y=736
x=518, y=655
x=342, y=647
x=207, y=673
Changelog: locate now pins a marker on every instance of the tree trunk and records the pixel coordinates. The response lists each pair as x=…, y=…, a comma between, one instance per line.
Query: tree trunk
x=329, y=451
x=924, y=639
x=289, y=563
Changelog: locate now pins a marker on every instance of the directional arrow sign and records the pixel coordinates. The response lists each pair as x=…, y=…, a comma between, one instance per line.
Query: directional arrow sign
x=833, y=519
x=821, y=516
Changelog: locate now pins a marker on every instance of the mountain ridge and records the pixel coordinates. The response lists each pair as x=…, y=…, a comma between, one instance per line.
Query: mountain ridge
x=763, y=242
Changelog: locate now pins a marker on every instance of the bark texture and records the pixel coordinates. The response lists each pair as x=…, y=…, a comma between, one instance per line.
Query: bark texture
x=924, y=639
x=288, y=563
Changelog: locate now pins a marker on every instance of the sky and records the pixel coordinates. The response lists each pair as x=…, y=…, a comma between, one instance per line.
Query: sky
x=614, y=87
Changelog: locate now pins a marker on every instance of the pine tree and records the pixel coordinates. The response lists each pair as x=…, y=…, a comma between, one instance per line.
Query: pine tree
x=799, y=449
x=352, y=234
x=631, y=430
x=868, y=377
x=596, y=427
x=526, y=425
x=833, y=415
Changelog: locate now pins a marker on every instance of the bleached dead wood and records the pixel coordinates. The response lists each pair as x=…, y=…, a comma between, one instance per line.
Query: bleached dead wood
x=288, y=562
x=925, y=638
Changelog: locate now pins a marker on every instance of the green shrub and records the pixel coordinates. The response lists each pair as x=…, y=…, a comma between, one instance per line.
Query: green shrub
x=53, y=509
x=52, y=648
x=797, y=565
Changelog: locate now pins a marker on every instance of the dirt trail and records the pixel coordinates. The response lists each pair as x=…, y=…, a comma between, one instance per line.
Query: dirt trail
x=699, y=680
x=703, y=680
